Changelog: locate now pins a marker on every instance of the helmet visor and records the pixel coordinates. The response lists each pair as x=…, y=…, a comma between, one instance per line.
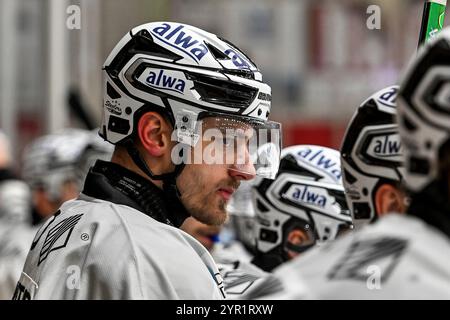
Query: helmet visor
x=246, y=145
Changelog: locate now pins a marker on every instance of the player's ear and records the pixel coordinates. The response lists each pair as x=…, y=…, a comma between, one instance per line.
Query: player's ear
x=389, y=199
x=295, y=237
x=154, y=133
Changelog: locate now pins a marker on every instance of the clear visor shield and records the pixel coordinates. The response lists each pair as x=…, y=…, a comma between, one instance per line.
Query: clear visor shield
x=245, y=145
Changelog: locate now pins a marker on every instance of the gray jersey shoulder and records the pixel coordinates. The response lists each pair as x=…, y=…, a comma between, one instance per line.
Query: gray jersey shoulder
x=240, y=277
x=95, y=249
x=15, y=242
x=399, y=257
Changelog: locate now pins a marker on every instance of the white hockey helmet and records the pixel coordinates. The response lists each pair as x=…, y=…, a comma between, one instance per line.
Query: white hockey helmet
x=371, y=153
x=424, y=113
x=186, y=74
x=307, y=193
x=51, y=160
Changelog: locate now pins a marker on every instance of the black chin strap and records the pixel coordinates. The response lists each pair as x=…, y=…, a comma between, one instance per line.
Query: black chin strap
x=169, y=182
x=296, y=248
x=136, y=156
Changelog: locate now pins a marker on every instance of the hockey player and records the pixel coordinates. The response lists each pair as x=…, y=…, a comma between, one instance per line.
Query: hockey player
x=15, y=238
x=372, y=164
x=53, y=167
x=304, y=206
x=399, y=256
x=50, y=168
x=164, y=84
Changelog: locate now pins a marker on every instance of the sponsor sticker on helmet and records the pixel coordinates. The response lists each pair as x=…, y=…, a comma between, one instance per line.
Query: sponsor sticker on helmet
x=179, y=38
x=388, y=97
x=163, y=79
x=386, y=147
x=305, y=194
x=320, y=160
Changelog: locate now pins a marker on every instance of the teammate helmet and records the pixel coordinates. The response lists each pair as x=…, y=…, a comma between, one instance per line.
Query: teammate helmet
x=51, y=160
x=186, y=74
x=371, y=153
x=242, y=215
x=424, y=112
x=307, y=193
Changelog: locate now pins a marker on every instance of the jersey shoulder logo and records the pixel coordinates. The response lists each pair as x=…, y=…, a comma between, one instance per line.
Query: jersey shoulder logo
x=58, y=236
x=361, y=255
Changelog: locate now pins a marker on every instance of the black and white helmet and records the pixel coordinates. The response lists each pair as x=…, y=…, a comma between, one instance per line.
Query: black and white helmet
x=371, y=153
x=51, y=160
x=307, y=193
x=424, y=112
x=186, y=74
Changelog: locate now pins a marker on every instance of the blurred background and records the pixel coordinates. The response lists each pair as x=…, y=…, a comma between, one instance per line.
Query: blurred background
x=320, y=57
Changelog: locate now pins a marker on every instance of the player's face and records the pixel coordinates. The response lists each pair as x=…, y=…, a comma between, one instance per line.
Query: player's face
x=207, y=187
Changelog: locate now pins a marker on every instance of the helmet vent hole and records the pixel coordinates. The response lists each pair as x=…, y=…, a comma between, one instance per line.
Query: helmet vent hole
x=276, y=223
x=112, y=93
x=419, y=165
x=217, y=53
x=408, y=124
x=365, y=191
x=261, y=207
x=349, y=177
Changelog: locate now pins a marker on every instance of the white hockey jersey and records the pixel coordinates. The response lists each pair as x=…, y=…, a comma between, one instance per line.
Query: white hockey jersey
x=95, y=249
x=15, y=242
x=240, y=277
x=398, y=257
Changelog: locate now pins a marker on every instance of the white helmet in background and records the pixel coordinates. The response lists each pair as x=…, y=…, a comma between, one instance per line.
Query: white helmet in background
x=308, y=195
x=371, y=153
x=242, y=215
x=51, y=160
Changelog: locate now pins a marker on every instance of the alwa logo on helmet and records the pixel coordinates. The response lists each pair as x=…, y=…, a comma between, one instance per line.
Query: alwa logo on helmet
x=388, y=97
x=386, y=147
x=176, y=36
x=318, y=159
x=304, y=194
x=163, y=79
